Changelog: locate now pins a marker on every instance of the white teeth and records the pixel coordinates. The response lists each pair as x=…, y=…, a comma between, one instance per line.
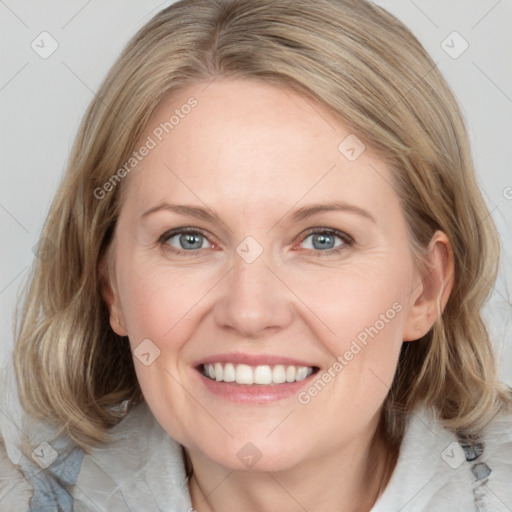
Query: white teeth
x=229, y=373
x=218, y=371
x=279, y=374
x=243, y=374
x=262, y=374
x=303, y=372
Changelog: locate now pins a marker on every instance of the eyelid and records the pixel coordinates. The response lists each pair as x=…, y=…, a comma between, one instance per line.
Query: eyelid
x=347, y=240
x=176, y=231
x=345, y=237
x=164, y=238
x=341, y=234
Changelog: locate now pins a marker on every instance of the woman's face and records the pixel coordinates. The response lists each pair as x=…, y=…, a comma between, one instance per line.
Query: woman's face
x=270, y=285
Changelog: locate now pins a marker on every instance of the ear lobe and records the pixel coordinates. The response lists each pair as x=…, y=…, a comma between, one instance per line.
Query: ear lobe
x=435, y=288
x=110, y=297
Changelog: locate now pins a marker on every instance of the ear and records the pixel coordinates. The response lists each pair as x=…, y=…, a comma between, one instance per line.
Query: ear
x=110, y=296
x=432, y=293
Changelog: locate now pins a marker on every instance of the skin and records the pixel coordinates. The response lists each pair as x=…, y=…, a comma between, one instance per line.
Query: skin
x=253, y=153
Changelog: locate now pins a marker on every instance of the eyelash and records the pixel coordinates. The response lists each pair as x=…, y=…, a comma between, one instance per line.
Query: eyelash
x=347, y=241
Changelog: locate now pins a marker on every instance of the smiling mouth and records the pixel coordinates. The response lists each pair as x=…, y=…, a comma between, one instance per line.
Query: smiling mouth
x=256, y=375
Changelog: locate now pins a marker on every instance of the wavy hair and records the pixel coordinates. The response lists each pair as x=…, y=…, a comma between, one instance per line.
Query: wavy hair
x=365, y=67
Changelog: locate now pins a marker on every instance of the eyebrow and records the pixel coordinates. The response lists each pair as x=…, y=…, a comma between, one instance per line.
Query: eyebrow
x=296, y=216
x=314, y=209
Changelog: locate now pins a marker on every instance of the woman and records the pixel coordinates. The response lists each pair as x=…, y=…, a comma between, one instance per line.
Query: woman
x=269, y=270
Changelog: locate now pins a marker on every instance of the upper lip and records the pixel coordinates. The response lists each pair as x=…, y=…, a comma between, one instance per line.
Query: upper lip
x=252, y=360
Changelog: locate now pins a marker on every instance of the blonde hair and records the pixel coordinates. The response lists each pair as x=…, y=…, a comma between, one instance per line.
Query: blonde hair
x=361, y=64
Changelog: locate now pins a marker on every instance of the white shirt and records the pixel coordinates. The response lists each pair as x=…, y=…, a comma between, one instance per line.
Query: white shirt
x=142, y=470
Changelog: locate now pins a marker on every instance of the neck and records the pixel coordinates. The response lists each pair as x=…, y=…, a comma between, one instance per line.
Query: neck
x=349, y=479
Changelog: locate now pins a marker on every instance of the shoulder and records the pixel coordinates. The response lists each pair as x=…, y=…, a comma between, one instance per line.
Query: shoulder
x=139, y=468
x=492, y=469
x=15, y=491
x=438, y=471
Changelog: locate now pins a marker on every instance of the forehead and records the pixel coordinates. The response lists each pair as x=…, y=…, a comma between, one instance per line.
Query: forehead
x=249, y=146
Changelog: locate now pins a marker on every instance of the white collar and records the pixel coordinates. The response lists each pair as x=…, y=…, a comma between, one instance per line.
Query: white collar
x=143, y=469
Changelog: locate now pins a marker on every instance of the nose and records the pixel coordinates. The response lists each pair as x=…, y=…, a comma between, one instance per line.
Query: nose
x=254, y=300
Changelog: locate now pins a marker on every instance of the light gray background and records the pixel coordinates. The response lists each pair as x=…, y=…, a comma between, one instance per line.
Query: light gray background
x=43, y=100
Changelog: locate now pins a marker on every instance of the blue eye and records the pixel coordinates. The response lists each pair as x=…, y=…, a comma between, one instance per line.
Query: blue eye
x=188, y=240
x=324, y=241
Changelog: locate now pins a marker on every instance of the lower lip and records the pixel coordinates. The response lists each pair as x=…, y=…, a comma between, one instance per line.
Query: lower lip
x=256, y=393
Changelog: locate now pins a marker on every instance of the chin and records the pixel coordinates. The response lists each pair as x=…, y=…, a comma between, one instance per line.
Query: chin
x=257, y=456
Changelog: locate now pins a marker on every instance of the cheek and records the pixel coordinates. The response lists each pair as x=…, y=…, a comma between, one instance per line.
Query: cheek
x=364, y=311
x=363, y=303
x=157, y=298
